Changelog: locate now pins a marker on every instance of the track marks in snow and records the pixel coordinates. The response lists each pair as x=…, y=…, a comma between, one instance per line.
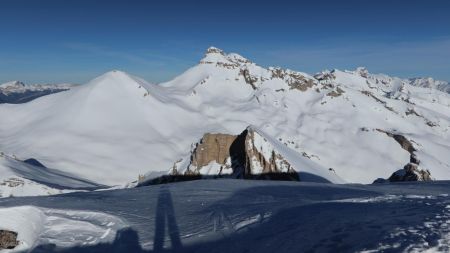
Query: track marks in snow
x=62, y=228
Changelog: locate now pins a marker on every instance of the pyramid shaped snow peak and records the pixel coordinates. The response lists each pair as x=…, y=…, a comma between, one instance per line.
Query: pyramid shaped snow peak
x=218, y=57
x=118, y=82
x=214, y=50
x=116, y=77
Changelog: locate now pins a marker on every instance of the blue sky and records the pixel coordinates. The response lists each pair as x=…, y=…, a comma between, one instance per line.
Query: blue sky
x=74, y=41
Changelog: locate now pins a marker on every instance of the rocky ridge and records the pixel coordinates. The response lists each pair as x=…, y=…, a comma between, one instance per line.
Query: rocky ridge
x=16, y=92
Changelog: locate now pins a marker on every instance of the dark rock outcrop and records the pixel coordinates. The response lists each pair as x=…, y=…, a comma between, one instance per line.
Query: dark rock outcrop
x=295, y=80
x=249, y=79
x=8, y=239
x=411, y=172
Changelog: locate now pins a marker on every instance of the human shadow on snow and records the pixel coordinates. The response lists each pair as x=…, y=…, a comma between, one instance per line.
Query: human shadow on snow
x=127, y=240
x=313, y=218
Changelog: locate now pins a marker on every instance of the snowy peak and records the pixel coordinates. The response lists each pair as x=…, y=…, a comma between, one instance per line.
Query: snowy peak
x=16, y=92
x=114, y=129
x=113, y=76
x=118, y=83
x=428, y=82
x=12, y=84
x=235, y=67
x=385, y=83
x=218, y=57
x=362, y=71
x=214, y=50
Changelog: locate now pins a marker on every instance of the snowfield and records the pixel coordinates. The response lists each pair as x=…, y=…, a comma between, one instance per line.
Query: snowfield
x=117, y=126
x=230, y=215
x=36, y=226
x=30, y=178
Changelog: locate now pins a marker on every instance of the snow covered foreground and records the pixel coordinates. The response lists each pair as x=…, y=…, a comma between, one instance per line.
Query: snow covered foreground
x=236, y=216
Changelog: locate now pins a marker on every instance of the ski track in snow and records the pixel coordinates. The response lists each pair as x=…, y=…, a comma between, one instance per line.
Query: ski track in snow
x=242, y=216
x=65, y=228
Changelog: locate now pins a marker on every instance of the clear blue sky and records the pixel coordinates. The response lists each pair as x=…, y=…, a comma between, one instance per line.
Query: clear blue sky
x=74, y=41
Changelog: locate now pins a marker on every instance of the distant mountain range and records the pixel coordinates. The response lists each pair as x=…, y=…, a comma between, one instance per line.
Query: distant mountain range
x=334, y=126
x=16, y=92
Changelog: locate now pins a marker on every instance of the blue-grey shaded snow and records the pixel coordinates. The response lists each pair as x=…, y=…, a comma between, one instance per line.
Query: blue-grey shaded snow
x=265, y=216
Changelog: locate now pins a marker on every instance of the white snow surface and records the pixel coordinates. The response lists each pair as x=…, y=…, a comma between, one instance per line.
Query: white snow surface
x=308, y=170
x=36, y=226
x=429, y=82
x=236, y=216
x=118, y=126
x=18, y=178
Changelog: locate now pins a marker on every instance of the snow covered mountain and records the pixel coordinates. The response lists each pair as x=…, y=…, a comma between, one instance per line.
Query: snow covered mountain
x=429, y=82
x=16, y=92
x=117, y=127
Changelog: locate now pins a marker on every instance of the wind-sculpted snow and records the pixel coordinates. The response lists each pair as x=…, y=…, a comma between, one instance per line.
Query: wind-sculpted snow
x=44, y=226
x=117, y=127
x=242, y=216
x=31, y=178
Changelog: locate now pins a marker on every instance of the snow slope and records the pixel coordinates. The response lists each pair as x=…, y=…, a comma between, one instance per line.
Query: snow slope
x=37, y=226
x=308, y=170
x=237, y=216
x=19, y=178
x=430, y=83
x=117, y=126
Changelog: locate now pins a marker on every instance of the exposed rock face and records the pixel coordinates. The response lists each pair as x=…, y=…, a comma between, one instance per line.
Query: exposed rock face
x=336, y=93
x=261, y=158
x=249, y=79
x=213, y=147
x=218, y=58
x=411, y=172
x=12, y=182
x=295, y=80
x=362, y=71
x=214, y=50
x=8, y=239
x=247, y=155
x=325, y=76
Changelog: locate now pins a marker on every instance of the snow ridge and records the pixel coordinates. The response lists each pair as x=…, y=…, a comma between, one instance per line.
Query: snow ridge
x=118, y=127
